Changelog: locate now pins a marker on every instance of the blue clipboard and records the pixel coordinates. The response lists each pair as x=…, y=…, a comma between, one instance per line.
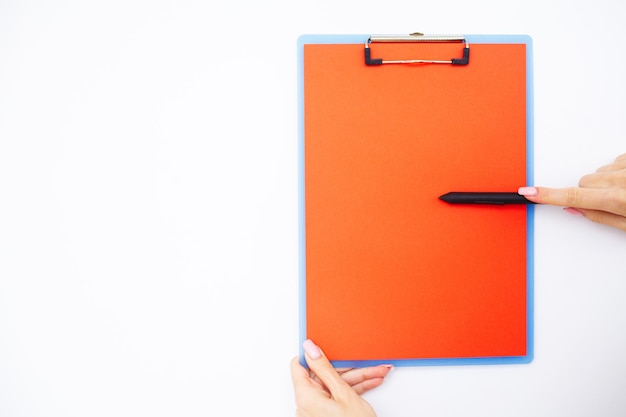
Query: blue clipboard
x=320, y=317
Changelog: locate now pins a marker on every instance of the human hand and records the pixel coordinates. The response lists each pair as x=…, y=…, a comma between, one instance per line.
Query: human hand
x=600, y=197
x=325, y=391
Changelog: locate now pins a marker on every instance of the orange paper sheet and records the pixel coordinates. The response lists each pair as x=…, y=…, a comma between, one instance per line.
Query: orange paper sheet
x=391, y=271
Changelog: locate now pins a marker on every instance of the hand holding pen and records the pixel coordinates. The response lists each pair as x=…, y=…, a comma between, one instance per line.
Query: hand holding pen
x=600, y=197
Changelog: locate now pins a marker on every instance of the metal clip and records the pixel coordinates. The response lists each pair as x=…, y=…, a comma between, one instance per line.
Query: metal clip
x=416, y=37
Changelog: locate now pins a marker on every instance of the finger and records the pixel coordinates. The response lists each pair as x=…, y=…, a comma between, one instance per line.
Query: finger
x=299, y=375
x=617, y=164
x=602, y=217
x=622, y=157
x=302, y=378
x=364, y=379
x=320, y=365
x=359, y=387
x=368, y=385
x=604, y=179
x=308, y=394
x=585, y=198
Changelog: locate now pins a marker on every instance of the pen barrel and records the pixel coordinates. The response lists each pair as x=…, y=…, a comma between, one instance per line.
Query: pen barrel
x=484, y=198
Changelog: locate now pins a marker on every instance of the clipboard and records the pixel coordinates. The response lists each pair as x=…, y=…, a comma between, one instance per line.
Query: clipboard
x=388, y=272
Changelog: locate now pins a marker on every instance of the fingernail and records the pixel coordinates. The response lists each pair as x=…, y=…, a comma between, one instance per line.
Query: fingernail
x=390, y=367
x=527, y=191
x=572, y=210
x=311, y=349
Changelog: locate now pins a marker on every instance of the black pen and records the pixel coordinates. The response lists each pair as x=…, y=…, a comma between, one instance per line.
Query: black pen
x=484, y=198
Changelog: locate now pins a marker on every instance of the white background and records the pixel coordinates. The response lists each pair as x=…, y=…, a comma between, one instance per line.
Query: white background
x=148, y=208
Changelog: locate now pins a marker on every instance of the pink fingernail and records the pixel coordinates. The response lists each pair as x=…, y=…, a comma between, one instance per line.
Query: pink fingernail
x=527, y=191
x=573, y=211
x=311, y=349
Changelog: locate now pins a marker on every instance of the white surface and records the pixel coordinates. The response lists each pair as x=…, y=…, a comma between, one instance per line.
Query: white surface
x=148, y=208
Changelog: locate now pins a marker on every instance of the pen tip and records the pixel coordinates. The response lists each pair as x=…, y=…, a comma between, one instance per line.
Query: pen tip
x=445, y=197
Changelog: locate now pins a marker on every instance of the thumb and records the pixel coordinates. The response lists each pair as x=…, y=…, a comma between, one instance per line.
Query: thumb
x=321, y=366
x=603, y=217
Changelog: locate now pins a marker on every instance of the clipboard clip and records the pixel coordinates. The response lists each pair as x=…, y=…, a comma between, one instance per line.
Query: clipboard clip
x=417, y=37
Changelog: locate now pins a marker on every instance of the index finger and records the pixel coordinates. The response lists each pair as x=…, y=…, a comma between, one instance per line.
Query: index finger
x=584, y=198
